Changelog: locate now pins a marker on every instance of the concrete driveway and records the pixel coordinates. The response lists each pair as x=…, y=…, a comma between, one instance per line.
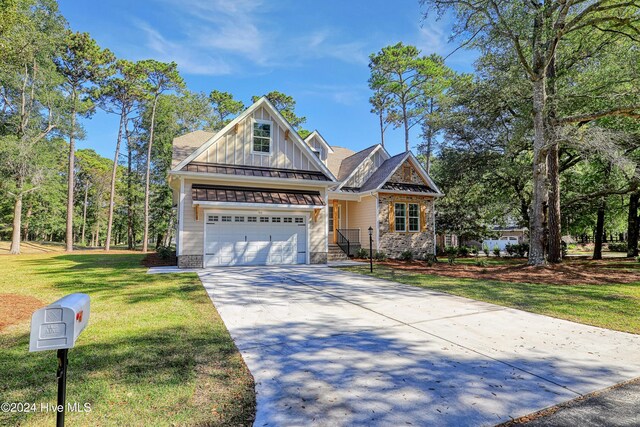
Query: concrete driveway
x=332, y=348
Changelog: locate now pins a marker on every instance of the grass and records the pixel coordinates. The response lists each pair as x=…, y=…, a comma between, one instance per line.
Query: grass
x=611, y=306
x=155, y=352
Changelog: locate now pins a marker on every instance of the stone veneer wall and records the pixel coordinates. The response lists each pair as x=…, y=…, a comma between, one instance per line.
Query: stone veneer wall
x=394, y=243
x=414, y=177
x=318, y=257
x=190, y=261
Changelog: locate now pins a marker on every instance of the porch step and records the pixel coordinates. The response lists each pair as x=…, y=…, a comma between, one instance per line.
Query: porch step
x=336, y=254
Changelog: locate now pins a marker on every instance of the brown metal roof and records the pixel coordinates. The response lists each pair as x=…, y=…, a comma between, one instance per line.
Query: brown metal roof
x=254, y=171
x=398, y=186
x=222, y=193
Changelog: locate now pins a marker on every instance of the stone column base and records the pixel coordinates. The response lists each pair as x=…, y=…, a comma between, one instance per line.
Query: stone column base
x=318, y=257
x=190, y=261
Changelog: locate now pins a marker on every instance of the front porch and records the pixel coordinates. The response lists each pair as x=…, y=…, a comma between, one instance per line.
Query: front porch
x=349, y=219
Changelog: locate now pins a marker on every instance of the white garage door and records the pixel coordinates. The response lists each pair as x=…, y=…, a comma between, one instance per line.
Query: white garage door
x=244, y=239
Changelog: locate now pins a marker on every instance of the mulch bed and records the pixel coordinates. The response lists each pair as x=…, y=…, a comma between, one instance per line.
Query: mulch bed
x=570, y=272
x=154, y=260
x=15, y=308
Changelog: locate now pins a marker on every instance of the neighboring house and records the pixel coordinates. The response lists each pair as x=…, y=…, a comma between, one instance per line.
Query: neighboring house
x=255, y=193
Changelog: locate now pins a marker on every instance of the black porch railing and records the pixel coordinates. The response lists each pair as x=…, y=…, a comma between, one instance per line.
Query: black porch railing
x=349, y=240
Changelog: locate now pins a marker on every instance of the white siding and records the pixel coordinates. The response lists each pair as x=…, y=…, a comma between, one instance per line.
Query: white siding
x=235, y=148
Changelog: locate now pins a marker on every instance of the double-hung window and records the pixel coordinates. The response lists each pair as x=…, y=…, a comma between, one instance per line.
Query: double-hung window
x=400, y=213
x=262, y=137
x=414, y=217
x=407, y=217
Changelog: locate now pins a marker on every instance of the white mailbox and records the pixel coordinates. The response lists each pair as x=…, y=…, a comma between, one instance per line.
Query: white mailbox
x=58, y=325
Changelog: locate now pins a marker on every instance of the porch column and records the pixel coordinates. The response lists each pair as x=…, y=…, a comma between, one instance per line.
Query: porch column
x=335, y=221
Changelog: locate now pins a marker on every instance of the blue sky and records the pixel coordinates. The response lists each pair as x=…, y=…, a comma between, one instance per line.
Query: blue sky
x=315, y=51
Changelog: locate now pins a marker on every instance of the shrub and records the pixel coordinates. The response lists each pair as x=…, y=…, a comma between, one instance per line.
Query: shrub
x=380, y=256
x=510, y=249
x=406, y=256
x=638, y=258
x=496, y=250
x=430, y=259
x=617, y=247
x=481, y=263
x=485, y=249
x=452, y=253
x=564, y=249
x=474, y=251
x=362, y=253
x=463, y=251
x=164, y=252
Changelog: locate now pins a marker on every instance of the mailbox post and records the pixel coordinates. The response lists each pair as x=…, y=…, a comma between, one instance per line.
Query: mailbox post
x=57, y=327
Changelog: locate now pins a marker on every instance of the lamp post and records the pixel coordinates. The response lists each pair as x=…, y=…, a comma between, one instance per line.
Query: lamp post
x=370, y=249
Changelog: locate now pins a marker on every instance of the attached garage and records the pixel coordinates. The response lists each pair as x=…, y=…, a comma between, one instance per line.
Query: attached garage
x=255, y=239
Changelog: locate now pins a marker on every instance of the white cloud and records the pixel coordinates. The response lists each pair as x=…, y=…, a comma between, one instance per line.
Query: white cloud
x=244, y=33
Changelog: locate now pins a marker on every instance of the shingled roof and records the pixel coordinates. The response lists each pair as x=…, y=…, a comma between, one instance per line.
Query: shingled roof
x=186, y=144
x=223, y=193
x=349, y=164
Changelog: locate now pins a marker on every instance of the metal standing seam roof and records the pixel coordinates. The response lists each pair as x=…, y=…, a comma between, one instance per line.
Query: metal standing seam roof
x=257, y=171
x=400, y=186
x=223, y=193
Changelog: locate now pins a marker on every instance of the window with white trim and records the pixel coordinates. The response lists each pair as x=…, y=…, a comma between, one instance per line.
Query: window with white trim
x=275, y=219
x=262, y=136
x=400, y=214
x=414, y=217
x=239, y=219
x=212, y=218
x=264, y=219
x=226, y=218
x=252, y=219
x=287, y=219
x=299, y=220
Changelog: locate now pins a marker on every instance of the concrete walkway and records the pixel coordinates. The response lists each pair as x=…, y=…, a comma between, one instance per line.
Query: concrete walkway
x=333, y=348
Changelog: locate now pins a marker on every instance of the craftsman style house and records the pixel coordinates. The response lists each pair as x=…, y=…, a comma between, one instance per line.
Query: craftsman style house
x=255, y=193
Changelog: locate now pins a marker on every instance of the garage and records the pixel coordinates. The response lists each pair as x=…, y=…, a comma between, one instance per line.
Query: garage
x=255, y=239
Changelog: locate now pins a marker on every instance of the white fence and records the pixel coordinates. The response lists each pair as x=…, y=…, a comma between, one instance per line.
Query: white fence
x=501, y=243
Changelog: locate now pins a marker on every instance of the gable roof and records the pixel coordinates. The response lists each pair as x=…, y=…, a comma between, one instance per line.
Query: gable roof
x=379, y=178
x=186, y=144
x=320, y=138
x=262, y=102
x=350, y=164
x=334, y=160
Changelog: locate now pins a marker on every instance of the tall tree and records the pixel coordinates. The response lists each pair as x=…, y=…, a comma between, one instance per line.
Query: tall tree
x=32, y=106
x=119, y=95
x=223, y=106
x=381, y=105
x=535, y=31
x=286, y=105
x=82, y=63
x=160, y=77
x=399, y=72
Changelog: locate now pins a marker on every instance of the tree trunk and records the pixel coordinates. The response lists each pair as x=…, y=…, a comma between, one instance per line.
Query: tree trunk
x=130, y=237
x=71, y=176
x=25, y=233
x=145, y=237
x=84, y=214
x=597, y=250
x=381, y=127
x=405, y=119
x=633, y=224
x=553, y=165
x=540, y=191
x=17, y=220
x=113, y=184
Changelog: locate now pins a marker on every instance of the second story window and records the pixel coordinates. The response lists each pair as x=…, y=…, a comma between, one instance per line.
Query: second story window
x=262, y=137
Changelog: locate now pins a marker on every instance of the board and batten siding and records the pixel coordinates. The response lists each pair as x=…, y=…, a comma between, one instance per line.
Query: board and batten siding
x=362, y=215
x=317, y=145
x=366, y=169
x=235, y=148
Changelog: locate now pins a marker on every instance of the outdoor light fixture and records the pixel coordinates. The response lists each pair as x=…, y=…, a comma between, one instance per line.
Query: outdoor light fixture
x=370, y=249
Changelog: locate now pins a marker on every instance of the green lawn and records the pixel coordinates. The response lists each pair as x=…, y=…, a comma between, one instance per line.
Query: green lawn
x=614, y=306
x=155, y=352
